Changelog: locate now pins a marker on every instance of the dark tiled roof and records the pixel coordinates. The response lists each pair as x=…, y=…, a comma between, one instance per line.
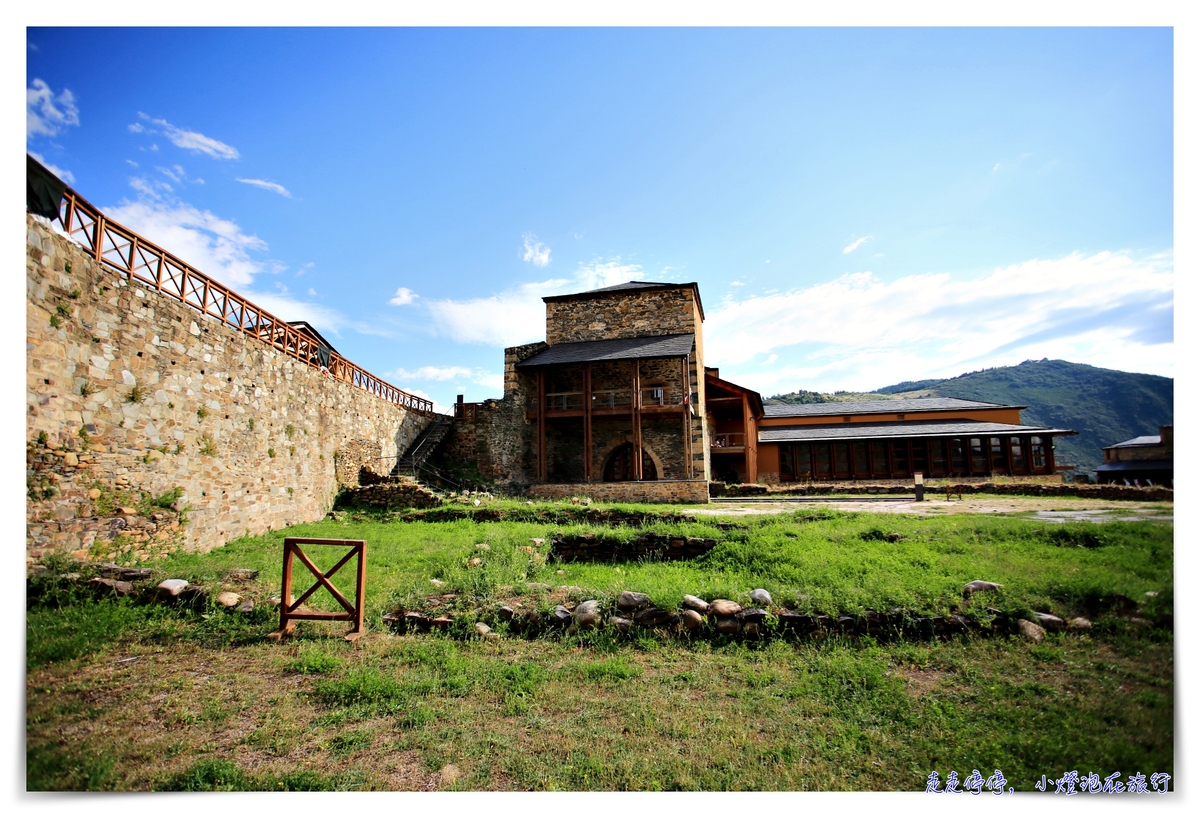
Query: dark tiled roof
x=1144, y=440
x=899, y=428
x=631, y=286
x=871, y=407
x=614, y=349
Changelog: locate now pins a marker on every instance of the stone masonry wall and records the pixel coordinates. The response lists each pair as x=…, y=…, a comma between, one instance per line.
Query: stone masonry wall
x=622, y=314
x=648, y=491
x=131, y=394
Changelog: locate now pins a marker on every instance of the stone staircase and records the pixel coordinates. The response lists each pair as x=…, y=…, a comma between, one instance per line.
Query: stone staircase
x=409, y=465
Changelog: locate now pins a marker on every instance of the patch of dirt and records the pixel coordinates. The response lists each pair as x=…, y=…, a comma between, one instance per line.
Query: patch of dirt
x=922, y=680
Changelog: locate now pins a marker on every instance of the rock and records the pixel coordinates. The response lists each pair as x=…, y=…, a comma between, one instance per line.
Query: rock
x=695, y=603
x=506, y=613
x=228, y=599
x=755, y=615
x=587, y=614
x=241, y=574
x=1030, y=632
x=104, y=585
x=978, y=585
x=723, y=608
x=482, y=629
x=760, y=597
x=893, y=537
x=689, y=620
x=482, y=546
x=94, y=494
x=274, y=601
x=70, y=576
x=653, y=617
x=134, y=574
x=1139, y=621
x=172, y=587
x=246, y=607
x=560, y=571
x=622, y=625
x=475, y=561
x=632, y=601
x=1152, y=593
x=1079, y=624
x=750, y=629
x=790, y=620
x=727, y=624
x=1049, y=621
x=537, y=540
x=442, y=622
x=436, y=583
x=126, y=511
x=537, y=586
x=561, y=616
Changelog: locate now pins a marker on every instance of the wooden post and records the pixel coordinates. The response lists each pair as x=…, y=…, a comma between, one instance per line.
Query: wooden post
x=587, y=422
x=687, y=415
x=636, y=406
x=751, y=477
x=541, y=425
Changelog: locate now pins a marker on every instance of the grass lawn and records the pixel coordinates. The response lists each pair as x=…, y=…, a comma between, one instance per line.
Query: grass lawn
x=127, y=696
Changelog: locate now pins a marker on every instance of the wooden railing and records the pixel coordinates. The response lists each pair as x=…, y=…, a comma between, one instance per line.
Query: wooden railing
x=729, y=440
x=125, y=251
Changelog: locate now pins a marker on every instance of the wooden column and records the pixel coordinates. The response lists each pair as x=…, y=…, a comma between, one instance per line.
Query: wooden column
x=587, y=423
x=636, y=406
x=541, y=425
x=687, y=416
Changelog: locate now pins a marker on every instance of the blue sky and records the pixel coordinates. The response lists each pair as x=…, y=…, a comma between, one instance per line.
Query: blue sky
x=858, y=206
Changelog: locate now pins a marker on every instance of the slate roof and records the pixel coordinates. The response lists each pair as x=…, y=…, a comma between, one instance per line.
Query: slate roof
x=1144, y=440
x=613, y=349
x=897, y=428
x=870, y=407
x=631, y=286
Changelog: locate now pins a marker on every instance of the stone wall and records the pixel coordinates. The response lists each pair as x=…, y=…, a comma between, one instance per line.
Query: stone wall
x=649, y=546
x=131, y=394
x=646, y=491
x=622, y=314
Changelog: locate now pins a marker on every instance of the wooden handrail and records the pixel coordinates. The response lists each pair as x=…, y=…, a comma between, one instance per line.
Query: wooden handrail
x=123, y=250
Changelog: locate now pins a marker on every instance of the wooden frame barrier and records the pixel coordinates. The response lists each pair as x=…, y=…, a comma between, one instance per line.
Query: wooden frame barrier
x=290, y=611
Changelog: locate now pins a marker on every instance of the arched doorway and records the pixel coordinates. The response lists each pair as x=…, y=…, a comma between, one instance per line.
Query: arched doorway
x=619, y=466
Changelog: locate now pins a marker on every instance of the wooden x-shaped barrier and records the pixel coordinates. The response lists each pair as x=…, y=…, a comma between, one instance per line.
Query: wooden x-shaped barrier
x=290, y=611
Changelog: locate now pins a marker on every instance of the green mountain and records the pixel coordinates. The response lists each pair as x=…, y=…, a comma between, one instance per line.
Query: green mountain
x=1104, y=406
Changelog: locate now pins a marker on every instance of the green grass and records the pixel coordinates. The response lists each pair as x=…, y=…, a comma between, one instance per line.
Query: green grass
x=155, y=697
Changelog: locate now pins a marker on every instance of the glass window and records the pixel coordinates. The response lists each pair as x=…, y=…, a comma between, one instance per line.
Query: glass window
x=787, y=469
x=823, y=459
x=879, y=460
x=841, y=459
x=1037, y=450
x=978, y=457
x=1017, y=454
x=861, y=464
x=999, y=459
x=899, y=458
x=937, y=449
x=920, y=457
x=958, y=455
x=803, y=458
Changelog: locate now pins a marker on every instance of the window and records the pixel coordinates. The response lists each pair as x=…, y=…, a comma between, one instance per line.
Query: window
x=841, y=459
x=999, y=459
x=938, y=451
x=958, y=456
x=862, y=466
x=803, y=460
x=879, y=459
x=1017, y=454
x=920, y=457
x=823, y=460
x=978, y=457
x=1037, y=447
x=899, y=458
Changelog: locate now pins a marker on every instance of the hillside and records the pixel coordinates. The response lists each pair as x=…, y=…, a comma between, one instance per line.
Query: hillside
x=1104, y=406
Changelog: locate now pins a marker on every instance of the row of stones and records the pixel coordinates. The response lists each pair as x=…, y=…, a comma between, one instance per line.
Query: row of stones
x=110, y=579
x=658, y=491
x=657, y=546
x=723, y=616
x=400, y=494
x=1032, y=488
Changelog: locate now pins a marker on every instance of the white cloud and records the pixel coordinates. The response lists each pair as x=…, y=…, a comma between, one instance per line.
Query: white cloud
x=46, y=113
x=216, y=247
x=312, y=291
x=458, y=374
x=854, y=245
x=61, y=173
x=860, y=332
x=265, y=185
x=535, y=251
x=403, y=296
x=517, y=315
x=177, y=175
x=188, y=140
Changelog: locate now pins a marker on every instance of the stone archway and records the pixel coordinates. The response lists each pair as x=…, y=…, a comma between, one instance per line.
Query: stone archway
x=650, y=462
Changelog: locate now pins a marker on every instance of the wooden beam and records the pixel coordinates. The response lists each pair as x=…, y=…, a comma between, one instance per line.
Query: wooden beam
x=541, y=425
x=587, y=423
x=636, y=405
